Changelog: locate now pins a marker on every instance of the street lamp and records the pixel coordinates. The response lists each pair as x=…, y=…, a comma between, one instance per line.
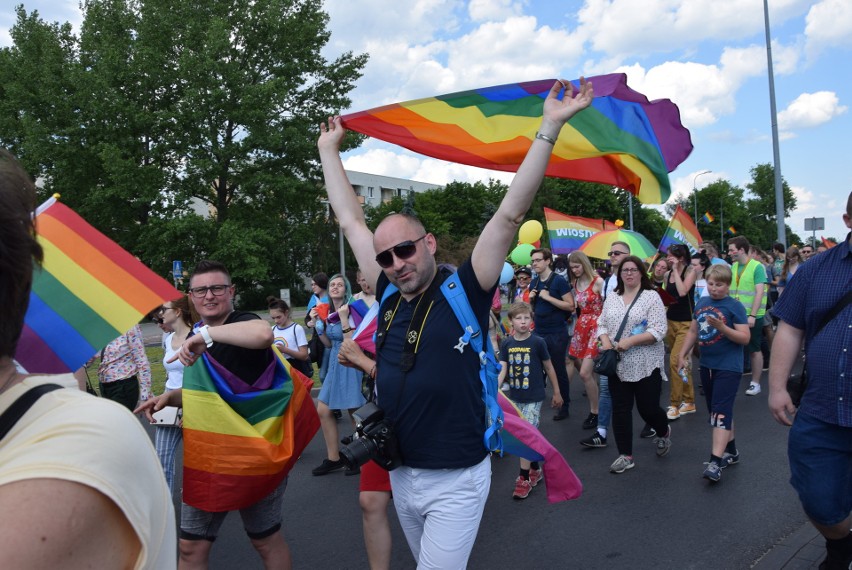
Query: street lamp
x=694, y=195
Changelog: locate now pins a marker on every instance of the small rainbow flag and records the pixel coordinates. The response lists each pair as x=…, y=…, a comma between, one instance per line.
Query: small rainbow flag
x=522, y=439
x=828, y=243
x=731, y=230
x=681, y=230
x=241, y=440
x=707, y=218
x=567, y=233
x=622, y=139
x=88, y=292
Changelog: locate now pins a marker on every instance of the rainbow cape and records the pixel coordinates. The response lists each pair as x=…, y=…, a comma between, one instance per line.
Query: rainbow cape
x=522, y=439
x=241, y=440
x=567, y=233
x=88, y=292
x=681, y=230
x=622, y=139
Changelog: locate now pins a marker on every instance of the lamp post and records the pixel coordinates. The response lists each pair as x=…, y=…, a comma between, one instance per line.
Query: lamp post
x=694, y=195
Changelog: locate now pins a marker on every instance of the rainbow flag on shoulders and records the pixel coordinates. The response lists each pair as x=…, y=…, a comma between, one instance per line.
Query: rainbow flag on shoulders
x=681, y=230
x=622, y=138
x=88, y=292
x=567, y=233
x=241, y=440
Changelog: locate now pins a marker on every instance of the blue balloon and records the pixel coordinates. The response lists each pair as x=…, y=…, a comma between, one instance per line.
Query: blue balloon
x=507, y=273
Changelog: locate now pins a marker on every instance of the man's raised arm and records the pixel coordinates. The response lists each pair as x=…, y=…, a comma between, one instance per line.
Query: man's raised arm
x=494, y=242
x=343, y=200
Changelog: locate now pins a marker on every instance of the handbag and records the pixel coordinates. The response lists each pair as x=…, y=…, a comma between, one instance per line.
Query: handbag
x=798, y=383
x=606, y=363
x=316, y=349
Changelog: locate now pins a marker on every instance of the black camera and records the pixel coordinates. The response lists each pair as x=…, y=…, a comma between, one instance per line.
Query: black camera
x=374, y=438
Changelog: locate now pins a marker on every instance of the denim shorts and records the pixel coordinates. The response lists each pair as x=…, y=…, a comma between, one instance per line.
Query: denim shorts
x=260, y=520
x=821, y=468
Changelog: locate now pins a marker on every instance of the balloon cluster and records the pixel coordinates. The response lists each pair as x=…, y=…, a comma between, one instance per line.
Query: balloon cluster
x=529, y=237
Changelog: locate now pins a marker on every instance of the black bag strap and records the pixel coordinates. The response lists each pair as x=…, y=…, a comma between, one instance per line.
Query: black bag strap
x=624, y=320
x=835, y=310
x=20, y=406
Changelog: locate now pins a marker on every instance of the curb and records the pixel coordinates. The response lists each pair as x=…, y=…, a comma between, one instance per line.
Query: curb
x=804, y=549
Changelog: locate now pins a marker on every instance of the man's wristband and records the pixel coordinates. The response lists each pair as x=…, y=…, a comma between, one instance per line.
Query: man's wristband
x=346, y=330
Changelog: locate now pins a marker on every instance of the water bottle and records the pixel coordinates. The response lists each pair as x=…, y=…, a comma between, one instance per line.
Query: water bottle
x=683, y=375
x=640, y=328
x=319, y=327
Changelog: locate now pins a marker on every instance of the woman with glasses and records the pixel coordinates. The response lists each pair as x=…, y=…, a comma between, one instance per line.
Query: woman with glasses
x=640, y=372
x=178, y=316
x=341, y=389
x=680, y=285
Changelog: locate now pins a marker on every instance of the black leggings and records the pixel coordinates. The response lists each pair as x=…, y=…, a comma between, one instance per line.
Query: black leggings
x=125, y=392
x=646, y=393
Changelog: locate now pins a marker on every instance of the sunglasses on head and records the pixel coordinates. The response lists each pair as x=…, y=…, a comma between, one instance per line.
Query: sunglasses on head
x=402, y=250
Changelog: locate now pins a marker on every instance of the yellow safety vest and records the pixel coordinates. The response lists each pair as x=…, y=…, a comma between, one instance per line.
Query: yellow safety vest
x=744, y=288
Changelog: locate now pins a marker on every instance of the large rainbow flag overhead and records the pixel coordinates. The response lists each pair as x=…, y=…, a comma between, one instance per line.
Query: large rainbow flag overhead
x=88, y=292
x=622, y=139
x=681, y=230
x=241, y=440
x=567, y=233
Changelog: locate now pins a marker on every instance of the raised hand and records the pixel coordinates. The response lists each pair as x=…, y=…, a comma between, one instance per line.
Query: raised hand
x=559, y=111
x=331, y=134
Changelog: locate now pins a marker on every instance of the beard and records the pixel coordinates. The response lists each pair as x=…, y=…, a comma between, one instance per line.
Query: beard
x=419, y=280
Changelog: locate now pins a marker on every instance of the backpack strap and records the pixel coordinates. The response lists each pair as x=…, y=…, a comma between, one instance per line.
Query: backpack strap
x=472, y=334
x=20, y=406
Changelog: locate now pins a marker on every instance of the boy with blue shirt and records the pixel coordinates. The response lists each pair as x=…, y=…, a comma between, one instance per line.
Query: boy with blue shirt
x=523, y=360
x=721, y=328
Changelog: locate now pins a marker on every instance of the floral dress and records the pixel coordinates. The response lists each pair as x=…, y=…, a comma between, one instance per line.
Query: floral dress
x=584, y=343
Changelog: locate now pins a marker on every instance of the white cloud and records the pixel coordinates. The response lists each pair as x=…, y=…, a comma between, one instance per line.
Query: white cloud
x=829, y=23
x=491, y=10
x=811, y=110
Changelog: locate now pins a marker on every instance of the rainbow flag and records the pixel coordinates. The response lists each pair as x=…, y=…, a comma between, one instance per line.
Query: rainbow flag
x=241, y=440
x=681, y=230
x=522, y=439
x=732, y=230
x=567, y=233
x=88, y=292
x=707, y=218
x=622, y=139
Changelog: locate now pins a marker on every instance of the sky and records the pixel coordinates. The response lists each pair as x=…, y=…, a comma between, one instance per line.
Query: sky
x=707, y=56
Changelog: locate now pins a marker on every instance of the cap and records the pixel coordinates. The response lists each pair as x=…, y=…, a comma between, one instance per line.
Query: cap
x=525, y=270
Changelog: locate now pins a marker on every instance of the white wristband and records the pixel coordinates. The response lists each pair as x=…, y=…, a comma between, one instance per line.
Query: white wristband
x=205, y=334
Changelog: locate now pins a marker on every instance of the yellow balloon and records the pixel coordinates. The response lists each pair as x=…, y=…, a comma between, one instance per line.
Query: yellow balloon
x=530, y=231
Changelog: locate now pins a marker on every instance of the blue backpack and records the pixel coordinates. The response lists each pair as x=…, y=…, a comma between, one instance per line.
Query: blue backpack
x=489, y=367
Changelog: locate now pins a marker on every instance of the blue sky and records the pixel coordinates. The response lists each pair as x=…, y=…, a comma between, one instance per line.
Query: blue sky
x=708, y=56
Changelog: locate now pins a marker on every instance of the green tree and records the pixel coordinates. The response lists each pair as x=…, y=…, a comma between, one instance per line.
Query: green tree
x=761, y=205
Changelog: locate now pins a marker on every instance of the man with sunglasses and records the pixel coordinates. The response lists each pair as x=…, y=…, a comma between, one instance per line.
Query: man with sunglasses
x=427, y=381
x=240, y=342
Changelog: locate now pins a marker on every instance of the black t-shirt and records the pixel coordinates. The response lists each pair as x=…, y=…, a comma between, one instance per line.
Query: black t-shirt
x=549, y=318
x=525, y=367
x=246, y=363
x=682, y=310
x=440, y=416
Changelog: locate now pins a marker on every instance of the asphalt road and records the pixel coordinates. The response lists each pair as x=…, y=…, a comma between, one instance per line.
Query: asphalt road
x=661, y=514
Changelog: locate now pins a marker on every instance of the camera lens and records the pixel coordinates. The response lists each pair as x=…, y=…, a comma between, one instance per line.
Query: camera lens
x=358, y=452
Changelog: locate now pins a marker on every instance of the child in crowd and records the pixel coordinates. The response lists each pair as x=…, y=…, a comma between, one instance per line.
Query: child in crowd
x=721, y=328
x=524, y=359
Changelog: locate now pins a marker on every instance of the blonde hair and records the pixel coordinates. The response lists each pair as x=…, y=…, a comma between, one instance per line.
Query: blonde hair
x=719, y=273
x=583, y=260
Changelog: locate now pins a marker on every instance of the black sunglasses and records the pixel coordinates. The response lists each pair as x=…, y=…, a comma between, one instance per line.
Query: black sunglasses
x=402, y=250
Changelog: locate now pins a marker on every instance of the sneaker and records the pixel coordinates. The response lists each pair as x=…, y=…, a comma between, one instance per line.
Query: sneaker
x=673, y=413
x=327, y=466
x=596, y=440
x=713, y=472
x=622, y=464
x=753, y=389
x=591, y=422
x=535, y=477
x=730, y=459
x=522, y=488
x=664, y=444
x=504, y=387
x=647, y=432
x=686, y=408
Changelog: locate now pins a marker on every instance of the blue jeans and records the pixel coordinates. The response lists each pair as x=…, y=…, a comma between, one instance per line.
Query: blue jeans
x=557, y=346
x=604, y=403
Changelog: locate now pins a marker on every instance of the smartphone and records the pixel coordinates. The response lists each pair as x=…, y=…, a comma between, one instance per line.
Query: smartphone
x=168, y=416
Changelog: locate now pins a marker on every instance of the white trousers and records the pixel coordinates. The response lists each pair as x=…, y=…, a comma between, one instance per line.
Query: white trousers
x=440, y=511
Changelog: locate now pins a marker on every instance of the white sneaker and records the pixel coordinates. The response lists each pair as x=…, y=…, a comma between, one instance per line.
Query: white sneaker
x=753, y=389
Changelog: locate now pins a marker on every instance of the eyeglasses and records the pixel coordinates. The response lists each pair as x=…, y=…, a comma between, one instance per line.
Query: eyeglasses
x=201, y=292
x=522, y=277
x=539, y=260
x=630, y=270
x=611, y=253
x=402, y=250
